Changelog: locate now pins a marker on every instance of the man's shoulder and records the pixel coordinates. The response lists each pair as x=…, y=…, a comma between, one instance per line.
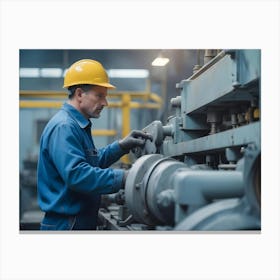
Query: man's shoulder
x=61, y=120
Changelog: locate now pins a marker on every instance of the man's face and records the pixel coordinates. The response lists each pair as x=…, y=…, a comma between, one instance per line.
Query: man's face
x=93, y=102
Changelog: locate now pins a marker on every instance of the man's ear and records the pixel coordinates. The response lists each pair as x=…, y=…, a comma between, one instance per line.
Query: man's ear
x=78, y=93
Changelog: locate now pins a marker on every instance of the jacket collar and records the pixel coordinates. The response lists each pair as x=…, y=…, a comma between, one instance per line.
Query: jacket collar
x=81, y=120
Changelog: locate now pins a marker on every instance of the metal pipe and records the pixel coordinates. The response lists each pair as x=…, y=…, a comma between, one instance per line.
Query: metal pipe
x=57, y=104
x=144, y=95
x=194, y=187
x=207, y=65
x=168, y=130
x=35, y=99
x=146, y=105
x=125, y=121
x=209, y=55
x=104, y=132
x=39, y=104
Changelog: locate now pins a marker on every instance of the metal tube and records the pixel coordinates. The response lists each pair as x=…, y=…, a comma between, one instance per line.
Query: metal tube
x=144, y=95
x=126, y=104
x=104, y=132
x=209, y=55
x=193, y=187
x=168, y=130
x=39, y=104
x=126, y=121
x=57, y=104
x=207, y=65
x=146, y=105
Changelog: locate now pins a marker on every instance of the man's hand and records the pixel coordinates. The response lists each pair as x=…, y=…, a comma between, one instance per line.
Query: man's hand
x=136, y=138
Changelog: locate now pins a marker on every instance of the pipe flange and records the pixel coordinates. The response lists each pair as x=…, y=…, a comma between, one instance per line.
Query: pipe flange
x=252, y=176
x=135, y=188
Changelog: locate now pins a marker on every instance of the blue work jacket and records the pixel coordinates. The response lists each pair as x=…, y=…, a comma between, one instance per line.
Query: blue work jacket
x=72, y=173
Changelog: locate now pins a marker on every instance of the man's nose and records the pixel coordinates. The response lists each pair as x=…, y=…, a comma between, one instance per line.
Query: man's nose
x=105, y=102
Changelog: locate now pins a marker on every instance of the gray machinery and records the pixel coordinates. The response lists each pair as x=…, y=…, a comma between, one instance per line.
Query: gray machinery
x=202, y=171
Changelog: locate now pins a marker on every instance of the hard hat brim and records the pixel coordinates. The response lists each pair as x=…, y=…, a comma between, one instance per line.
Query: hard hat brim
x=106, y=85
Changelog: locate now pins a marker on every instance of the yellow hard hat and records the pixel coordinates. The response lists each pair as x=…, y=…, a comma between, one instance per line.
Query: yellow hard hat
x=87, y=71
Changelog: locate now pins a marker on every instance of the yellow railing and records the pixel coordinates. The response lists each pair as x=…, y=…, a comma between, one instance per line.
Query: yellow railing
x=148, y=100
x=104, y=132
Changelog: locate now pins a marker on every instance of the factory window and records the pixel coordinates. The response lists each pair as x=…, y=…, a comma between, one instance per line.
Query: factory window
x=40, y=125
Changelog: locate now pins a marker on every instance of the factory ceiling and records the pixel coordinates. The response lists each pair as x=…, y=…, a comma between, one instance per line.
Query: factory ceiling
x=181, y=61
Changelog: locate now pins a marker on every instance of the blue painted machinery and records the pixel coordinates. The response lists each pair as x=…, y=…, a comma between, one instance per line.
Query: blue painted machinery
x=202, y=171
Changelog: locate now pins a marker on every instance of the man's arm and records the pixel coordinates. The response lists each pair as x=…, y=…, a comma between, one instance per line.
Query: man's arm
x=68, y=155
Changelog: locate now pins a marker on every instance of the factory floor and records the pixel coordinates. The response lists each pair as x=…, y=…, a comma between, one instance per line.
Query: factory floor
x=31, y=220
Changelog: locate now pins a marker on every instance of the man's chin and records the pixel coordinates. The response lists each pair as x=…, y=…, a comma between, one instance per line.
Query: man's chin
x=95, y=116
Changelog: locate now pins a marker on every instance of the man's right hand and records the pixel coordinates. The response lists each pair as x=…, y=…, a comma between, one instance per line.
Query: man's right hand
x=136, y=138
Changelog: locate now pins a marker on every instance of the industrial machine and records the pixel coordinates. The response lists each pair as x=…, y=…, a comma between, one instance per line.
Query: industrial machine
x=202, y=171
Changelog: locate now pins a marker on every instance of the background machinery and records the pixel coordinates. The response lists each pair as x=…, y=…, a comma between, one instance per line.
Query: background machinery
x=202, y=171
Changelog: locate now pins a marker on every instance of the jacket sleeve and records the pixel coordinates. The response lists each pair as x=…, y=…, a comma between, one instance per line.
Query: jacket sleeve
x=110, y=154
x=68, y=155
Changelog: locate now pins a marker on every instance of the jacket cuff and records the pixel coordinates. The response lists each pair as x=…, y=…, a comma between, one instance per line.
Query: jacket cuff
x=116, y=146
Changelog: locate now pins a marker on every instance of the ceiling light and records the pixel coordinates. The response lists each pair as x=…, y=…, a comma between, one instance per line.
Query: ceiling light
x=160, y=61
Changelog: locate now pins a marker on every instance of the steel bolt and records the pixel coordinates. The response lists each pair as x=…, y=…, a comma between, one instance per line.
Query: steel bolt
x=165, y=198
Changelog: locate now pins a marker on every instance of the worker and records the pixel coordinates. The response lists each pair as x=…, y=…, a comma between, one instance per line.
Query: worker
x=72, y=173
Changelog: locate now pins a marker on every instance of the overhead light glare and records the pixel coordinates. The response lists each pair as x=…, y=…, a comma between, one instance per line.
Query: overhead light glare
x=128, y=73
x=29, y=72
x=160, y=61
x=58, y=73
x=51, y=72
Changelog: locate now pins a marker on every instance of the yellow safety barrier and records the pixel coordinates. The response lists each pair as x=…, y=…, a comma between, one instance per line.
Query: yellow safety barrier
x=33, y=99
x=104, y=132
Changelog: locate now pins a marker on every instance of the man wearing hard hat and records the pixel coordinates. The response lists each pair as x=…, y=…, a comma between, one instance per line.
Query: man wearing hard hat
x=72, y=173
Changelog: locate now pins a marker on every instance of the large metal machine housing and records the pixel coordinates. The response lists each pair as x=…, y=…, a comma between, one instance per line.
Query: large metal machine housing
x=202, y=171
